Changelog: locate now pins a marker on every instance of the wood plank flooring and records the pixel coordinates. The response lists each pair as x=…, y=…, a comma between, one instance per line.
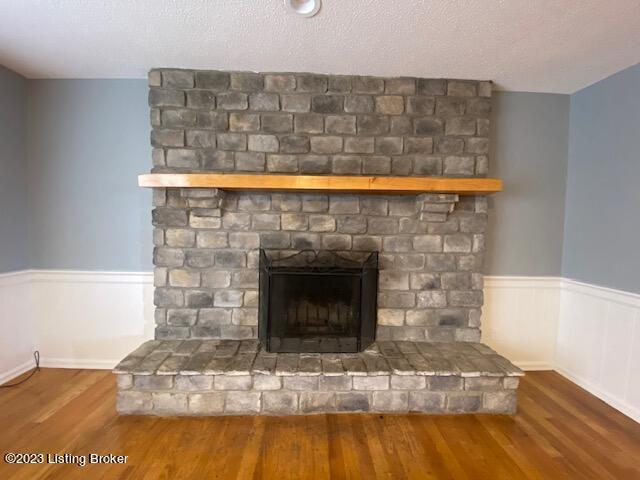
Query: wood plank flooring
x=560, y=432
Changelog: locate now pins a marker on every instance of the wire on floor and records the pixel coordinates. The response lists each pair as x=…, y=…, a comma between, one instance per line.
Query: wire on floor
x=36, y=356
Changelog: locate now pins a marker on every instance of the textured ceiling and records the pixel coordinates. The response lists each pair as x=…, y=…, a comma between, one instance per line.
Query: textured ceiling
x=528, y=45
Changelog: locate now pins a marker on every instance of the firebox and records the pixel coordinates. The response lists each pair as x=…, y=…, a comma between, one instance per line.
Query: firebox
x=317, y=301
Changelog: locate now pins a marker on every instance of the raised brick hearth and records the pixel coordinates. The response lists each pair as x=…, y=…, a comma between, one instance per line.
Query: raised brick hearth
x=430, y=247
x=230, y=377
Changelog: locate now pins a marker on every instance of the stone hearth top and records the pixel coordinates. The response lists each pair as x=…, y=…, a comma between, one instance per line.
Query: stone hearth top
x=247, y=357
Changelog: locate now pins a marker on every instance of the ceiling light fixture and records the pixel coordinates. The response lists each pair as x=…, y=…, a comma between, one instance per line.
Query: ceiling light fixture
x=303, y=8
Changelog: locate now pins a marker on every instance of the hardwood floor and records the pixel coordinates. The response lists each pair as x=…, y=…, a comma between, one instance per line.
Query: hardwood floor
x=560, y=431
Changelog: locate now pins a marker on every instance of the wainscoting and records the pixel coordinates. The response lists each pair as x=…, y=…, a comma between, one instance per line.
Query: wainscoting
x=520, y=319
x=75, y=319
x=598, y=343
x=590, y=334
x=17, y=341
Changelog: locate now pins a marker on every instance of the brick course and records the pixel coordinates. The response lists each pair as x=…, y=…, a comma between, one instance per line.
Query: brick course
x=206, y=243
x=218, y=377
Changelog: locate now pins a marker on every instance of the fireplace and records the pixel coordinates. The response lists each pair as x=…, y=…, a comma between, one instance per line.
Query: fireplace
x=275, y=197
x=343, y=131
x=317, y=302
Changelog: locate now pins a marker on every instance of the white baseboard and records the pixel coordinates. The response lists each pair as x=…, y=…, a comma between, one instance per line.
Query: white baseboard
x=630, y=411
x=17, y=371
x=86, y=363
x=85, y=319
x=532, y=366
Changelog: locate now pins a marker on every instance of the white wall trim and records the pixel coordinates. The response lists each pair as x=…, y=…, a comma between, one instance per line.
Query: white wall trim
x=17, y=371
x=605, y=293
x=533, y=366
x=505, y=281
x=620, y=405
x=15, y=278
x=87, y=363
x=79, y=276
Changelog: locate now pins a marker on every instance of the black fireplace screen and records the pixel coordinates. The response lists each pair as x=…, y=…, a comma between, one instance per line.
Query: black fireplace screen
x=317, y=301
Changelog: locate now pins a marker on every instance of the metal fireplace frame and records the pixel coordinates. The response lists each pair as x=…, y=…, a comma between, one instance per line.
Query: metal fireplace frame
x=317, y=263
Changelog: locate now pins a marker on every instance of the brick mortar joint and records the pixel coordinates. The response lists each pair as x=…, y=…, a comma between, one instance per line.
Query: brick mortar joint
x=425, y=203
x=318, y=402
x=230, y=121
x=403, y=84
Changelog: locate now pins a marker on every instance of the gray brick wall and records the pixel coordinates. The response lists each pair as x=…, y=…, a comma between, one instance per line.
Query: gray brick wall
x=206, y=243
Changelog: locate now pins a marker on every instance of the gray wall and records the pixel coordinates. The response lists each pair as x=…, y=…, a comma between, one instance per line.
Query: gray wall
x=88, y=140
x=530, y=155
x=14, y=248
x=603, y=196
x=81, y=143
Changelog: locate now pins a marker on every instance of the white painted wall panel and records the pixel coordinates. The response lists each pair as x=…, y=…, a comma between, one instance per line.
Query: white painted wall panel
x=91, y=319
x=520, y=319
x=617, y=347
x=598, y=345
x=16, y=323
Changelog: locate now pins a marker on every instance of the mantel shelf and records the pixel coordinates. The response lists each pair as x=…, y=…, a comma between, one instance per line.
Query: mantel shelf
x=324, y=183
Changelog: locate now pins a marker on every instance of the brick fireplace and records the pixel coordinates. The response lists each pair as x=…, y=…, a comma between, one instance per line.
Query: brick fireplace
x=207, y=244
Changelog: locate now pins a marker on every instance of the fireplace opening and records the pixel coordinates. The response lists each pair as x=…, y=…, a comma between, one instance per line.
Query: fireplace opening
x=317, y=301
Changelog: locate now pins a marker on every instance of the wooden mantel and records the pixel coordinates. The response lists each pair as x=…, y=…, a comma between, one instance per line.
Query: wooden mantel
x=324, y=183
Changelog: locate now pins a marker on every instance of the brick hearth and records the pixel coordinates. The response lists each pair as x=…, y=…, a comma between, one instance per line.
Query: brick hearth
x=217, y=377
